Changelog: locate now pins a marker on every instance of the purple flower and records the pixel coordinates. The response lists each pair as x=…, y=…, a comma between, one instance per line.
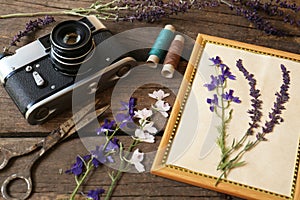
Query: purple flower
x=128, y=106
x=282, y=97
x=112, y=145
x=228, y=96
x=106, y=127
x=125, y=119
x=216, y=61
x=30, y=27
x=256, y=103
x=77, y=167
x=213, y=103
x=98, y=156
x=226, y=74
x=95, y=194
x=215, y=82
x=101, y=155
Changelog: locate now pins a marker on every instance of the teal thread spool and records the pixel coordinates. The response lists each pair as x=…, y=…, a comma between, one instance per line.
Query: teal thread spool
x=161, y=45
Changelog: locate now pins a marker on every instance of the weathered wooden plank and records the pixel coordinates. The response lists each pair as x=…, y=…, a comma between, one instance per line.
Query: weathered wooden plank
x=49, y=182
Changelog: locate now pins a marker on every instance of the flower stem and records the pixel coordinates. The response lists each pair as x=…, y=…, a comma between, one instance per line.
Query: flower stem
x=115, y=179
x=89, y=167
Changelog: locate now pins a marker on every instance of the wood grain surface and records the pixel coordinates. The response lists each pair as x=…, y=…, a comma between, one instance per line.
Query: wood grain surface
x=50, y=181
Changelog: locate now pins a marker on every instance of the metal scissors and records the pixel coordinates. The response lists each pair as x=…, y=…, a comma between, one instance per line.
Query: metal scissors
x=71, y=126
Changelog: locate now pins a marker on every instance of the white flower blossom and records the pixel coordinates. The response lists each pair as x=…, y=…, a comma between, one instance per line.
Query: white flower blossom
x=136, y=160
x=159, y=95
x=143, y=114
x=162, y=107
x=143, y=134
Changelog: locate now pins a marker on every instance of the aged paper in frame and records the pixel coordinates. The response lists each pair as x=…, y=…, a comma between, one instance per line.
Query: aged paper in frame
x=188, y=150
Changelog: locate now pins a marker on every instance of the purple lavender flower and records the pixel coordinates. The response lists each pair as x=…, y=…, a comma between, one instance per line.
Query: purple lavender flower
x=282, y=97
x=226, y=73
x=217, y=60
x=213, y=103
x=95, y=194
x=228, y=96
x=215, y=82
x=256, y=103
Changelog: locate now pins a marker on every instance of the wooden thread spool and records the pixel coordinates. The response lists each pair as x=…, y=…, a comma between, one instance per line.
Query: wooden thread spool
x=173, y=57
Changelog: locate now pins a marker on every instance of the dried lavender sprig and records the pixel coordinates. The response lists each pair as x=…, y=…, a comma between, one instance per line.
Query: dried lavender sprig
x=256, y=103
x=30, y=27
x=151, y=10
x=259, y=22
x=274, y=9
x=282, y=97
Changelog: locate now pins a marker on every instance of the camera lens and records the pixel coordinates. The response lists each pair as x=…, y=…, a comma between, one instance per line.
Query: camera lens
x=71, y=45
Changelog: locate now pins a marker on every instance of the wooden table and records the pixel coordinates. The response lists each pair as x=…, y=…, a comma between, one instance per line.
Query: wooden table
x=50, y=181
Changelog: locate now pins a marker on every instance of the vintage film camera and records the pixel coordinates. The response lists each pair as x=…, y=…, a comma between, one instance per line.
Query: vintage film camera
x=41, y=76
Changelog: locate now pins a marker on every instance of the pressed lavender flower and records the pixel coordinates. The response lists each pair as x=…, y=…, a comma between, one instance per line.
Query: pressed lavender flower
x=214, y=83
x=282, y=97
x=256, y=103
x=213, y=103
x=226, y=73
x=228, y=96
x=95, y=194
x=216, y=61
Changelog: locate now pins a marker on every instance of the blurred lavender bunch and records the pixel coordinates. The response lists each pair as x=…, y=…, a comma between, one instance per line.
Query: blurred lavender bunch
x=32, y=26
x=255, y=10
x=152, y=10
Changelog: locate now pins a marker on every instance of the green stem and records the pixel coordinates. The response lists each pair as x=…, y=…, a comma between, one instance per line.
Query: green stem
x=79, y=183
x=115, y=179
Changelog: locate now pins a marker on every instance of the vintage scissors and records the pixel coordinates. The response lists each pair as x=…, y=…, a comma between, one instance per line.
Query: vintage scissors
x=80, y=119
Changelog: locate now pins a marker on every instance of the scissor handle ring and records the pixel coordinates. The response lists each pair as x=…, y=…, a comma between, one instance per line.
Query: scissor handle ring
x=12, y=177
x=5, y=153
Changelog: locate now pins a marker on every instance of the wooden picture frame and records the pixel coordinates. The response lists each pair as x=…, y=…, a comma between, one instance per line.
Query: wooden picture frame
x=179, y=130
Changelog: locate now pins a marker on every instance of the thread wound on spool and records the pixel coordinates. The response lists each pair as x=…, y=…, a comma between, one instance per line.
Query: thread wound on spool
x=161, y=44
x=173, y=56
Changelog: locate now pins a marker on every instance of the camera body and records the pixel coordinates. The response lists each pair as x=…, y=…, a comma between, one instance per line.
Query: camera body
x=41, y=76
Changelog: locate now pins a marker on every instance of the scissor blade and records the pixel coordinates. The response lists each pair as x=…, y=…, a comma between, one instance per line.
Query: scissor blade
x=70, y=123
x=83, y=112
x=91, y=116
